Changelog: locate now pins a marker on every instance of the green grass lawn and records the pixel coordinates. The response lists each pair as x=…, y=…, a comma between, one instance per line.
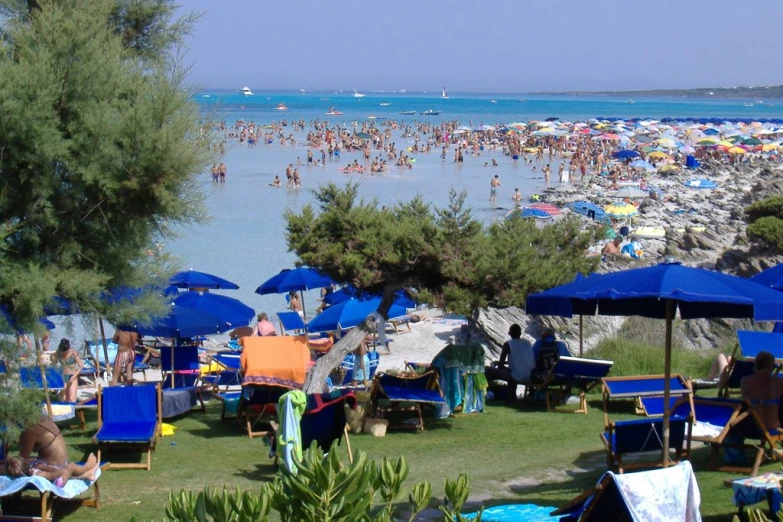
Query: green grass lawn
x=513, y=454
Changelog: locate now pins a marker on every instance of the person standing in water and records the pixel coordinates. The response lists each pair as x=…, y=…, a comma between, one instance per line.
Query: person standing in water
x=493, y=188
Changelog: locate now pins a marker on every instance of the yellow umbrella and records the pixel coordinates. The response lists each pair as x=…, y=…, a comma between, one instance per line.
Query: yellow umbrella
x=625, y=210
x=736, y=150
x=708, y=141
x=658, y=154
x=666, y=142
x=667, y=168
x=769, y=146
x=725, y=143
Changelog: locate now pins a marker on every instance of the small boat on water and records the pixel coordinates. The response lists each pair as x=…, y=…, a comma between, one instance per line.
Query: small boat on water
x=358, y=94
x=444, y=94
x=407, y=113
x=246, y=91
x=334, y=112
x=493, y=101
x=430, y=113
x=281, y=107
x=385, y=104
x=630, y=100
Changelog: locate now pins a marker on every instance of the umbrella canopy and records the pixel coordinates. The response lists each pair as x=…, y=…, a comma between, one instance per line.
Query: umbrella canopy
x=401, y=298
x=194, y=279
x=658, y=154
x=621, y=211
x=227, y=309
x=659, y=291
x=546, y=207
x=363, y=135
x=294, y=280
x=736, y=150
x=348, y=314
x=624, y=154
x=536, y=213
x=182, y=321
x=641, y=164
x=771, y=277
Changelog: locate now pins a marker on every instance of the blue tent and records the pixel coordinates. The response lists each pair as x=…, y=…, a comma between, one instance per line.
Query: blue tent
x=771, y=277
x=625, y=154
x=659, y=291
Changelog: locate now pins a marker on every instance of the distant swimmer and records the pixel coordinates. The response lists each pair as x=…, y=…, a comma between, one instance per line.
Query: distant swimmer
x=493, y=188
x=276, y=182
x=517, y=195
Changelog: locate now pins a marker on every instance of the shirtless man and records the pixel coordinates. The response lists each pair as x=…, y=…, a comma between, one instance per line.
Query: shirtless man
x=612, y=248
x=223, y=171
x=763, y=390
x=295, y=304
x=297, y=179
x=215, y=173
x=289, y=174
x=493, y=188
x=126, y=341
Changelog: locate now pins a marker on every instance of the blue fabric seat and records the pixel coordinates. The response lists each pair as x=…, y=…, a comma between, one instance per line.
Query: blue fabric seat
x=569, y=375
x=290, y=322
x=394, y=394
x=643, y=435
x=749, y=344
x=641, y=387
x=129, y=416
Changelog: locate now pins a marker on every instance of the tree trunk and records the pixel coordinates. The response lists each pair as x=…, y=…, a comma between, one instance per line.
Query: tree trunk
x=326, y=364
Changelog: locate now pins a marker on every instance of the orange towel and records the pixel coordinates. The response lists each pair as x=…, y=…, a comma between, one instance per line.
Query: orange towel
x=277, y=360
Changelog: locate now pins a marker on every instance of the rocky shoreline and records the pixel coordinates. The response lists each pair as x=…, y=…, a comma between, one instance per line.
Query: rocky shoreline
x=704, y=228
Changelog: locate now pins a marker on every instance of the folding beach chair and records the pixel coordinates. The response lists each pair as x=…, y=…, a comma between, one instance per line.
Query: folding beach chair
x=748, y=346
x=638, y=436
x=49, y=493
x=570, y=375
x=226, y=374
x=641, y=387
x=397, y=394
x=398, y=322
x=30, y=378
x=291, y=322
x=323, y=421
x=350, y=361
x=129, y=416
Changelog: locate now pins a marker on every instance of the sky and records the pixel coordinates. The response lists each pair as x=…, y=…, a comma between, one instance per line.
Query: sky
x=513, y=46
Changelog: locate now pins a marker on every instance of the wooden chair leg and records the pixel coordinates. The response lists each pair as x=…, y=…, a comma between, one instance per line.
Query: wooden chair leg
x=348, y=443
x=757, y=462
x=421, y=417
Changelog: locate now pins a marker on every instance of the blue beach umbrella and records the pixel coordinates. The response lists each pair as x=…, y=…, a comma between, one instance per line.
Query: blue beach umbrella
x=182, y=321
x=195, y=279
x=590, y=210
x=225, y=308
x=348, y=314
x=659, y=291
x=625, y=154
x=771, y=277
x=641, y=164
x=401, y=298
x=294, y=280
x=536, y=213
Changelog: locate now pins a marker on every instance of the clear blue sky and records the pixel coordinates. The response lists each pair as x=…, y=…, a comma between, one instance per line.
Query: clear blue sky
x=485, y=46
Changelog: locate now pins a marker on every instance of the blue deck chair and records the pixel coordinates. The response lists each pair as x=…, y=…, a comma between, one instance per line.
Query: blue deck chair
x=749, y=426
x=404, y=393
x=324, y=421
x=291, y=322
x=637, y=436
x=748, y=346
x=30, y=379
x=569, y=375
x=228, y=372
x=641, y=387
x=129, y=416
x=350, y=360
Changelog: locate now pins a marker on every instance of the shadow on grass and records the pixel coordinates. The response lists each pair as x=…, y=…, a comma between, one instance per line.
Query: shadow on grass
x=263, y=471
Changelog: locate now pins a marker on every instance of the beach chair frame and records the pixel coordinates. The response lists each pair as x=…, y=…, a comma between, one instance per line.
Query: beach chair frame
x=614, y=459
x=401, y=405
x=48, y=499
x=558, y=385
x=652, y=389
x=147, y=446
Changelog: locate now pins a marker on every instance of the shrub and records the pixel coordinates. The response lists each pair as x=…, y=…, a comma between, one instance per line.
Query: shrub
x=768, y=231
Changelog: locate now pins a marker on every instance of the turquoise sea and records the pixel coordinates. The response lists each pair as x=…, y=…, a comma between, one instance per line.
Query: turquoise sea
x=245, y=242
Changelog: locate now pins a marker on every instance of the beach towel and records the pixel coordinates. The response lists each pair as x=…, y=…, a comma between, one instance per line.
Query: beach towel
x=73, y=488
x=516, y=513
x=290, y=408
x=276, y=360
x=661, y=495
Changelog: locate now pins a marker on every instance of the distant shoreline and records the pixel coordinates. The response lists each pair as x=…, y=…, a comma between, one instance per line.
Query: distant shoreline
x=753, y=93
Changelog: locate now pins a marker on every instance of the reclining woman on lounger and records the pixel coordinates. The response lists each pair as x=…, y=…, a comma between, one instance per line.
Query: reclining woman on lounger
x=18, y=467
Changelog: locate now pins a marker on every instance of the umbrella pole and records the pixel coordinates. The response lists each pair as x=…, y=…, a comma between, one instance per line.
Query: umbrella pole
x=581, y=336
x=667, y=371
x=301, y=301
x=105, y=349
x=173, y=344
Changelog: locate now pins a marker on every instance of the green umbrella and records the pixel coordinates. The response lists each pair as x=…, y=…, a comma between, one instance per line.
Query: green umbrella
x=751, y=141
x=363, y=135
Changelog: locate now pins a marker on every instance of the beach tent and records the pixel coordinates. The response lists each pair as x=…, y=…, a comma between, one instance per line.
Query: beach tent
x=659, y=495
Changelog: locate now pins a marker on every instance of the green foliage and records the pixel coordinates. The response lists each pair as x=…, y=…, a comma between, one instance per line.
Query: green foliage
x=457, y=492
x=633, y=358
x=450, y=257
x=213, y=506
x=757, y=515
x=765, y=222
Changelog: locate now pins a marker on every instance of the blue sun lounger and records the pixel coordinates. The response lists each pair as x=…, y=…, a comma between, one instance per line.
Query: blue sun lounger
x=228, y=372
x=291, y=323
x=49, y=493
x=393, y=394
x=129, y=416
x=641, y=388
x=748, y=346
x=569, y=375
x=623, y=438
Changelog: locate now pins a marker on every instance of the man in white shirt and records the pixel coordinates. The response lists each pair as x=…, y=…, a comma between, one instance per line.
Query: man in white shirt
x=521, y=362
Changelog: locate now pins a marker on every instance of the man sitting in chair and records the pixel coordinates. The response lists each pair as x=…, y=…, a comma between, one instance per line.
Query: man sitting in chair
x=521, y=362
x=547, y=351
x=763, y=390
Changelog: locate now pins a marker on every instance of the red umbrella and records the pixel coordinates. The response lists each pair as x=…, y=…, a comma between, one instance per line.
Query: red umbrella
x=546, y=207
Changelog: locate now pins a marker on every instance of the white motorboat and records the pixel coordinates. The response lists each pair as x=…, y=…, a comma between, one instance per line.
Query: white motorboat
x=358, y=95
x=246, y=91
x=444, y=94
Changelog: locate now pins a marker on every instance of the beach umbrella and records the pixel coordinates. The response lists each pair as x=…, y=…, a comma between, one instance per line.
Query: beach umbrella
x=658, y=154
x=686, y=149
x=642, y=164
x=227, y=309
x=401, y=297
x=194, y=279
x=771, y=277
x=590, y=210
x=659, y=291
x=624, y=154
x=294, y=280
x=623, y=211
x=363, y=135
x=348, y=314
x=736, y=150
